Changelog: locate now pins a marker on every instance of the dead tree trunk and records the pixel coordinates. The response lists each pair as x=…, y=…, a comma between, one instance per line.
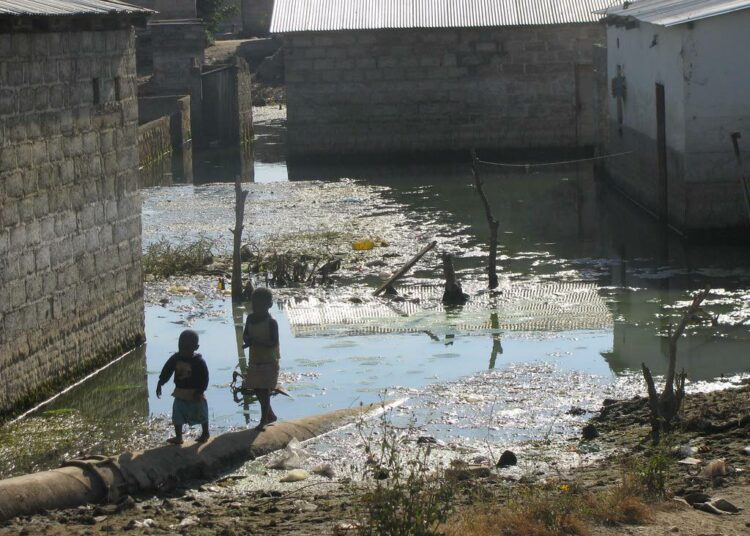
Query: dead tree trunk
x=454, y=294
x=665, y=407
x=240, y=196
x=491, y=221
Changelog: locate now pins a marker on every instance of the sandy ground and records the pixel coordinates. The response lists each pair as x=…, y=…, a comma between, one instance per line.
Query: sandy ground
x=677, y=518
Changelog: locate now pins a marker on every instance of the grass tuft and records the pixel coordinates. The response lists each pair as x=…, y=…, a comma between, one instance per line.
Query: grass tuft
x=163, y=258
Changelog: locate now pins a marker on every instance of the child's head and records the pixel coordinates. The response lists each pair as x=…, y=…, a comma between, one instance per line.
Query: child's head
x=188, y=343
x=261, y=300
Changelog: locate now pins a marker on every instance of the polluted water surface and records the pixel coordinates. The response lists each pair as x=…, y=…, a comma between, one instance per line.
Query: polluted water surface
x=588, y=290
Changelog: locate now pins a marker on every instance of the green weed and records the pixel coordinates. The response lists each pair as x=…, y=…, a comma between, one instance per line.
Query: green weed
x=405, y=499
x=163, y=258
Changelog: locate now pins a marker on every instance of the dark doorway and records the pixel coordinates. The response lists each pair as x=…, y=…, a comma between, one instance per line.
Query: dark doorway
x=661, y=156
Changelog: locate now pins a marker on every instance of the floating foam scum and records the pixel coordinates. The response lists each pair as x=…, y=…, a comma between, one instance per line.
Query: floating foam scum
x=522, y=407
x=534, y=306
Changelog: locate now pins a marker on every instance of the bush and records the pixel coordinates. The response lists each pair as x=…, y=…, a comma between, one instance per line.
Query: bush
x=405, y=498
x=653, y=468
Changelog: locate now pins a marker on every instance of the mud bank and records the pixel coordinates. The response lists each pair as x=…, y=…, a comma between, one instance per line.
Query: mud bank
x=101, y=479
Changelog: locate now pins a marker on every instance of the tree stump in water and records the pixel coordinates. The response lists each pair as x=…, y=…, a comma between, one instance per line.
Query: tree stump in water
x=453, y=294
x=665, y=407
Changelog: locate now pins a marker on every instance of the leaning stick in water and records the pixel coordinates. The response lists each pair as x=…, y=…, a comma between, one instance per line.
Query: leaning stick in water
x=408, y=266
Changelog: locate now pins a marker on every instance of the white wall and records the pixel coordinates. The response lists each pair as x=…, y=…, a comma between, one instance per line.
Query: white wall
x=717, y=94
x=643, y=66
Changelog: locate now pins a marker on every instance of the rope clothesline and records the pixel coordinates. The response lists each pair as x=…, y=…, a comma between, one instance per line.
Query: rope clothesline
x=560, y=163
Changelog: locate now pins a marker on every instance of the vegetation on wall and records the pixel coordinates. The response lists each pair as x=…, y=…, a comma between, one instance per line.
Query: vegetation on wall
x=213, y=12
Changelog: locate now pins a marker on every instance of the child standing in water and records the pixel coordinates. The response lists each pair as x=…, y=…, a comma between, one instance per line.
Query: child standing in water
x=261, y=335
x=190, y=381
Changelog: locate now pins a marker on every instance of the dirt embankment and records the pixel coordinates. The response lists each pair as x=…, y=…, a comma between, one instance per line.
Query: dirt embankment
x=715, y=426
x=715, y=432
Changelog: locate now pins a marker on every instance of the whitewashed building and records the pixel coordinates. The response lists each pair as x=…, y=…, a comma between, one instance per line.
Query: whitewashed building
x=680, y=101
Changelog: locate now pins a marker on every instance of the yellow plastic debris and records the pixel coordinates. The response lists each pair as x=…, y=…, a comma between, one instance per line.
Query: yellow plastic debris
x=363, y=245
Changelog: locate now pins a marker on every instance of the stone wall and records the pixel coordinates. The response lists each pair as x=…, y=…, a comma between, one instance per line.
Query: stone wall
x=71, y=291
x=177, y=108
x=226, y=105
x=177, y=46
x=154, y=141
x=436, y=89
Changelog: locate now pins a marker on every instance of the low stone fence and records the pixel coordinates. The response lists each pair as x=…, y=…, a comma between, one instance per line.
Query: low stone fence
x=154, y=141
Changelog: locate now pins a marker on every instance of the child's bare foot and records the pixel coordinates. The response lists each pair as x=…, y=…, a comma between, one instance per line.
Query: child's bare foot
x=203, y=438
x=175, y=441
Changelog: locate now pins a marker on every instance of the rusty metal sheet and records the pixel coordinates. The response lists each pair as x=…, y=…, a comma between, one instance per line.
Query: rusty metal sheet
x=549, y=307
x=674, y=12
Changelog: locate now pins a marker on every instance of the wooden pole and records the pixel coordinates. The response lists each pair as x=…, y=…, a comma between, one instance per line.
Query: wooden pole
x=240, y=197
x=408, y=266
x=491, y=222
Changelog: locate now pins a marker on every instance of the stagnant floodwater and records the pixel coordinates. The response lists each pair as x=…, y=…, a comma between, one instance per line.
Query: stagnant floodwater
x=588, y=289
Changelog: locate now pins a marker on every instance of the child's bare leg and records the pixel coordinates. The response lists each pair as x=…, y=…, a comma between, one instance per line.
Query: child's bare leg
x=264, y=397
x=177, y=439
x=204, y=434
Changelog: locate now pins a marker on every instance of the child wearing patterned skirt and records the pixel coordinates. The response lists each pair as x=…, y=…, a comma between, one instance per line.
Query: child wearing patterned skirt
x=261, y=335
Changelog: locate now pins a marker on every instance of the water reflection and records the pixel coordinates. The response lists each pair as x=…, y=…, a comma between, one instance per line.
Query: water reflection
x=117, y=394
x=157, y=173
x=565, y=224
x=224, y=164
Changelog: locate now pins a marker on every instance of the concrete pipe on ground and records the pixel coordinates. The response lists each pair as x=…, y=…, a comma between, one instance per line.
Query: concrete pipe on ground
x=105, y=479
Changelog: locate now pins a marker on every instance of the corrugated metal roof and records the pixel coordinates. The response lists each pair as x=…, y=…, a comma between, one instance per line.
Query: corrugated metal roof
x=333, y=15
x=674, y=12
x=67, y=7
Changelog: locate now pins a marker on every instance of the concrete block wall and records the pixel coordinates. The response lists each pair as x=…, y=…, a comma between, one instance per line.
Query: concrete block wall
x=177, y=46
x=71, y=291
x=226, y=105
x=154, y=141
x=177, y=108
x=244, y=101
x=435, y=89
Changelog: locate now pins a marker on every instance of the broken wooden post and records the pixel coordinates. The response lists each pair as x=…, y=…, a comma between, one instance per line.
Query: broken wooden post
x=453, y=294
x=491, y=221
x=665, y=407
x=408, y=266
x=240, y=196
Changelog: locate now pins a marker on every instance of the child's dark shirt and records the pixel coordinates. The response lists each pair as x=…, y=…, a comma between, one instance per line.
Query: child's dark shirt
x=189, y=372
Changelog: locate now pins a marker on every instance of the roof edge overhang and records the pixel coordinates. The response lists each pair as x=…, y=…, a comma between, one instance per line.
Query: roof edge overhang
x=11, y=23
x=621, y=18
